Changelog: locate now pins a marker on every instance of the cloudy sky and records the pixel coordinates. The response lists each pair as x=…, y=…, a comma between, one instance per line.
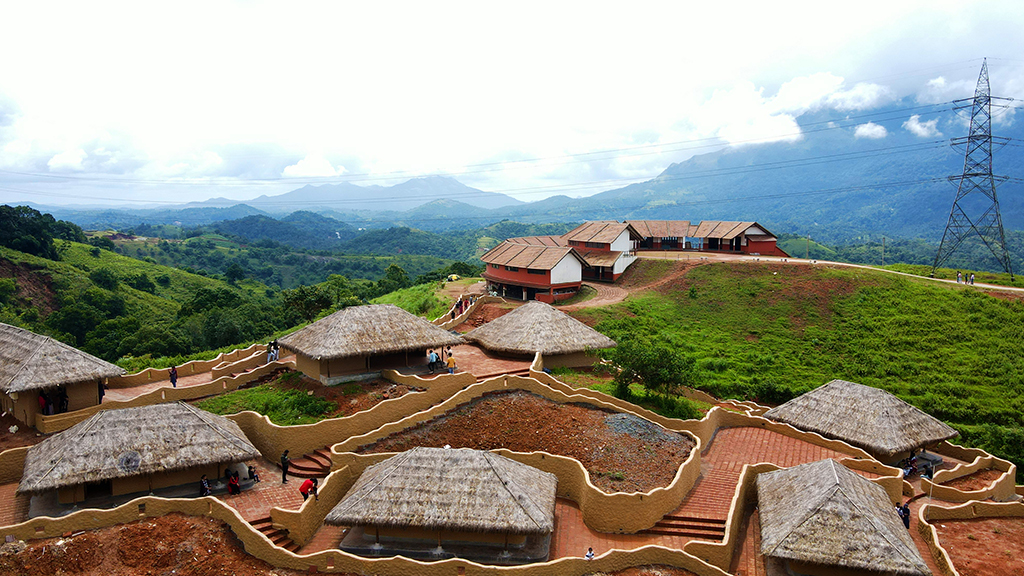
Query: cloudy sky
x=171, y=102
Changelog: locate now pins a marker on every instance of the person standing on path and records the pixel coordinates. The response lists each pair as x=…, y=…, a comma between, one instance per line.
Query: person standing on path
x=905, y=514
x=174, y=376
x=972, y=278
x=451, y=364
x=957, y=276
x=285, y=461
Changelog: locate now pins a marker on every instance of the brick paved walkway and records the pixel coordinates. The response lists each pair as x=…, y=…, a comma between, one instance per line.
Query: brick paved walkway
x=13, y=508
x=747, y=559
x=730, y=450
x=123, y=394
x=326, y=538
x=257, y=501
x=477, y=361
x=572, y=537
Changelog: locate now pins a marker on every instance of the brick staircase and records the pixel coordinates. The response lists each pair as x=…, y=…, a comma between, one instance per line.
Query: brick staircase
x=278, y=537
x=703, y=528
x=316, y=464
x=524, y=372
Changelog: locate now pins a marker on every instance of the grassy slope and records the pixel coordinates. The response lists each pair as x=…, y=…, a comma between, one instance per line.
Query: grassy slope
x=427, y=300
x=951, y=351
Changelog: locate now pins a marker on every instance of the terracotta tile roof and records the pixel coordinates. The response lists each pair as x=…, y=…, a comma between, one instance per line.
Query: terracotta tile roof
x=661, y=228
x=539, y=240
x=604, y=231
x=526, y=256
x=600, y=257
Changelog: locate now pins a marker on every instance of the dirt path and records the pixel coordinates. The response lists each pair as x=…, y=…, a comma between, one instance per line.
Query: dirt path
x=614, y=293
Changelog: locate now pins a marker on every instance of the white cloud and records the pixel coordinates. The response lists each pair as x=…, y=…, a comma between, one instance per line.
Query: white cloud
x=862, y=96
x=806, y=92
x=870, y=130
x=312, y=165
x=939, y=90
x=67, y=161
x=927, y=129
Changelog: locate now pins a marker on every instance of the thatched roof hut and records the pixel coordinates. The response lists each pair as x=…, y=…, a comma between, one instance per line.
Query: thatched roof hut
x=29, y=361
x=863, y=416
x=454, y=490
x=822, y=513
x=133, y=442
x=537, y=327
x=376, y=329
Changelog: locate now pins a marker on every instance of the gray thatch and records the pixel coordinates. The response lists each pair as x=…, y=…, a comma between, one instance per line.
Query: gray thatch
x=29, y=361
x=823, y=513
x=863, y=416
x=366, y=331
x=459, y=490
x=537, y=327
x=134, y=441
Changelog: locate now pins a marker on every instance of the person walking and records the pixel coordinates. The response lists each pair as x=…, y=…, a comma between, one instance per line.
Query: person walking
x=309, y=487
x=905, y=514
x=972, y=278
x=957, y=276
x=204, y=486
x=285, y=461
x=451, y=364
x=173, y=374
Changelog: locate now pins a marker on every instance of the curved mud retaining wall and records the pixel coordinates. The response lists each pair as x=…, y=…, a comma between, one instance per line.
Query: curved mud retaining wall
x=618, y=512
x=58, y=422
x=929, y=515
x=448, y=323
x=1001, y=489
x=150, y=375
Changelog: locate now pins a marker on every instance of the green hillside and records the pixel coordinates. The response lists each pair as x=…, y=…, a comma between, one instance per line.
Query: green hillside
x=771, y=332
x=114, y=306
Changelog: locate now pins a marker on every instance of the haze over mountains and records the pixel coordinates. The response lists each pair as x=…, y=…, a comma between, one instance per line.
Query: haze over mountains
x=838, y=182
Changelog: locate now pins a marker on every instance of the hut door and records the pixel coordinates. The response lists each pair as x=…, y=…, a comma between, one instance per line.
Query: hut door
x=99, y=489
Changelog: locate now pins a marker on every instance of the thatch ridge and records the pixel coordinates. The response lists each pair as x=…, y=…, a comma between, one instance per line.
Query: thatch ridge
x=460, y=490
x=866, y=417
x=538, y=327
x=366, y=331
x=134, y=441
x=30, y=361
x=824, y=513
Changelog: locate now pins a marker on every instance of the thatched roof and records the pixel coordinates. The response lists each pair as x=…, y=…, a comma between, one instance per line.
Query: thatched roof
x=367, y=331
x=824, y=513
x=29, y=361
x=863, y=416
x=460, y=490
x=132, y=442
x=537, y=327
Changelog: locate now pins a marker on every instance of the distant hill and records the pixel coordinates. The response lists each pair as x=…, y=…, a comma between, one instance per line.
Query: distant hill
x=298, y=229
x=347, y=197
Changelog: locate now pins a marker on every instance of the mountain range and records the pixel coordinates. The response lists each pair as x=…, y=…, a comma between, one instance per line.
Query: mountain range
x=831, y=184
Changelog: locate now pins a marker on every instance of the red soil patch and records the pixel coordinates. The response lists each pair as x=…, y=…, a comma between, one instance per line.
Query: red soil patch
x=976, y=481
x=1008, y=296
x=805, y=286
x=984, y=547
x=483, y=314
x=350, y=398
x=623, y=453
x=35, y=288
x=655, y=570
x=25, y=436
x=173, y=544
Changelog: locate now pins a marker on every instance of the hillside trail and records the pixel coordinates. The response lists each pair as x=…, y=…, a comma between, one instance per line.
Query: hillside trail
x=613, y=293
x=802, y=261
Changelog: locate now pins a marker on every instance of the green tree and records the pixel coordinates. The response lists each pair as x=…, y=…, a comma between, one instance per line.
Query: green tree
x=8, y=287
x=104, y=278
x=234, y=273
x=306, y=301
x=394, y=278
x=103, y=242
x=656, y=365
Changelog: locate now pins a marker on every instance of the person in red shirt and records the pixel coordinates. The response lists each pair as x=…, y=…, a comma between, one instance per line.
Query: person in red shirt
x=307, y=487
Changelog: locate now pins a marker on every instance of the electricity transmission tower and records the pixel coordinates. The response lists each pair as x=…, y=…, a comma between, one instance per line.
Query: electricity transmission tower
x=976, y=209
